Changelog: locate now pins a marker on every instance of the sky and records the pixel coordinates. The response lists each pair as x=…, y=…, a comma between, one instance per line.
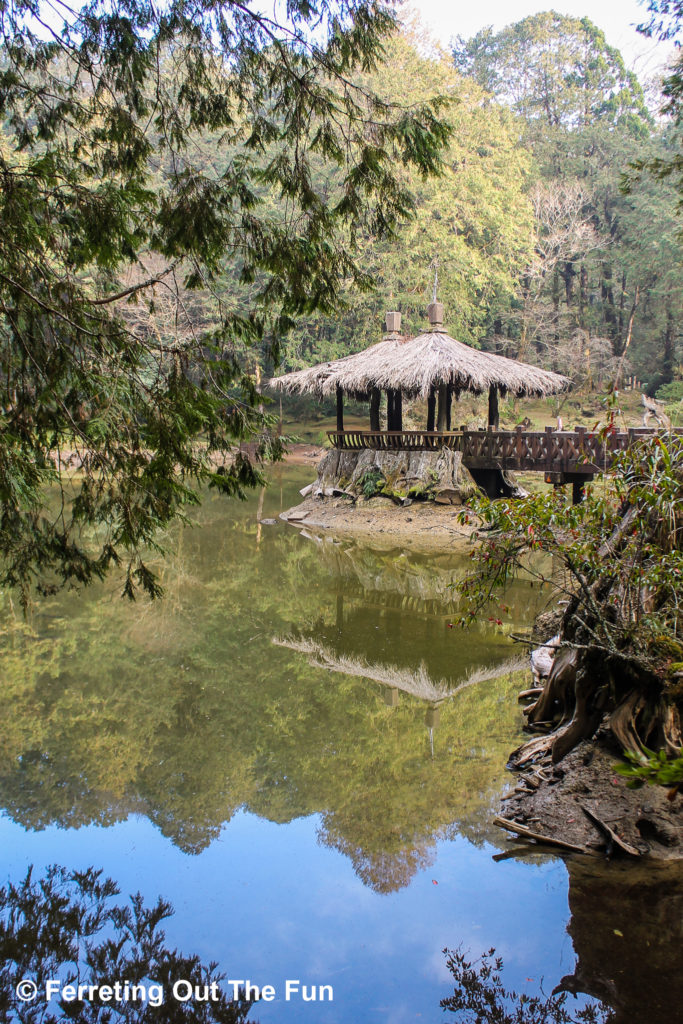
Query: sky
x=617, y=18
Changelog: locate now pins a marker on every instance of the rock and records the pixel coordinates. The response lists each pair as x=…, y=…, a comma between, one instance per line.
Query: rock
x=542, y=659
x=268, y=522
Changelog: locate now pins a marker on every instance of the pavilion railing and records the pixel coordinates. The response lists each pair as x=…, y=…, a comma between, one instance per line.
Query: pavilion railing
x=579, y=451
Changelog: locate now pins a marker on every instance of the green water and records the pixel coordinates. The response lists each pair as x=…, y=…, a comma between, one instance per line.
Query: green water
x=297, y=748
x=192, y=707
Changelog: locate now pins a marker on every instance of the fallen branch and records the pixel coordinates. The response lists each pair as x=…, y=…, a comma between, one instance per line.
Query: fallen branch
x=526, y=833
x=610, y=833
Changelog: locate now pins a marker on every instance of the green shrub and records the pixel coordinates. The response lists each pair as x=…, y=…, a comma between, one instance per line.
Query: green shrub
x=371, y=482
x=671, y=392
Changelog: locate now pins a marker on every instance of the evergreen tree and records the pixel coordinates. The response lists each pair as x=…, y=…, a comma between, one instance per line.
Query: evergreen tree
x=113, y=218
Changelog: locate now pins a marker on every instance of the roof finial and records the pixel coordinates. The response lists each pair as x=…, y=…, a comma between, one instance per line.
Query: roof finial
x=393, y=323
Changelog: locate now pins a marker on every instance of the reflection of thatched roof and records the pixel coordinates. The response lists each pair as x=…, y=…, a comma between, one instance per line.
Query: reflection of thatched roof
x=415, y=365
x=417, y=683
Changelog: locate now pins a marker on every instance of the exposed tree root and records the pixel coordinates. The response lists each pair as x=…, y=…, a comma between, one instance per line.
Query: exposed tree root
x=622, y=722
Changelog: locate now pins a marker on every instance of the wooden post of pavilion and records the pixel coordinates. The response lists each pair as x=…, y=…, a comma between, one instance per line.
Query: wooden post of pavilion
x=494, y=416
x=340, y=409
x=374, y=408
x=394, y=409
x=442, y=414
x=431, y=410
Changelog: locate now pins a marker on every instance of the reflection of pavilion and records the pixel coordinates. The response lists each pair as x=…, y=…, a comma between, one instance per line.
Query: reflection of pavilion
x=391, y=622
x=416, y=683
x=395, y=680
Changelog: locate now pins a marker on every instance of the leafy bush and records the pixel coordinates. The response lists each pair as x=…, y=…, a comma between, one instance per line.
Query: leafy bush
x=654, y=767
x=671, y=392
x=371, y=482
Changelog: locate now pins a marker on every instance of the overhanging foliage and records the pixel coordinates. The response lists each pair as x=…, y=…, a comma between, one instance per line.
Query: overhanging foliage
x=141, y=150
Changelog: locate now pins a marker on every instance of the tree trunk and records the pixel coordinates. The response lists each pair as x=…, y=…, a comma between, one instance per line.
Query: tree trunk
x=669, y=348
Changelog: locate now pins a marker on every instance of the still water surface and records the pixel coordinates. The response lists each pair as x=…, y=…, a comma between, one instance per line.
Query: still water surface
x=298, y=750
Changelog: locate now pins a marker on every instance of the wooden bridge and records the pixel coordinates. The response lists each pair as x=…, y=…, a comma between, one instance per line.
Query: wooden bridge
x=564, y=456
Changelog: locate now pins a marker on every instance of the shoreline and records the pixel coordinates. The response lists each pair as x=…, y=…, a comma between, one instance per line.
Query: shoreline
x=421, y=526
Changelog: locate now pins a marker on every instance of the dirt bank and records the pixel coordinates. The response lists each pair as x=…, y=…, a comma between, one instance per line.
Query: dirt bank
x=421, y=526
x=578, y=800
x=304, y=455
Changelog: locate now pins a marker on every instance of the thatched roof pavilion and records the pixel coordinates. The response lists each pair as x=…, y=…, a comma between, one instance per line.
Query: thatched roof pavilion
x=429, y=365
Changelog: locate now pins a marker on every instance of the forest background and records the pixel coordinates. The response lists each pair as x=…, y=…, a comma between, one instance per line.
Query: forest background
x=549, y=245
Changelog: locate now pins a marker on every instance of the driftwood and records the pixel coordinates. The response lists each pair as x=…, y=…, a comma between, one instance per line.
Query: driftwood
x=560, y=680
x=612, y=544
x=526, y=833
x=654, y=408
x=622, y=722
x=584, y=721
x=612, y=836
x=531, y=752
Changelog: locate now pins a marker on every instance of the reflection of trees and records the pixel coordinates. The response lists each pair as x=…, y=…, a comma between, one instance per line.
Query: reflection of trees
x=68, y=926
x=626, y=926
x=185, y=711
x=627, y=929
x=386, y=870
x=480, y=996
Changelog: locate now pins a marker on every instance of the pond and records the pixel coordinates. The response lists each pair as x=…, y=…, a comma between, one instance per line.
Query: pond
x=300, y=751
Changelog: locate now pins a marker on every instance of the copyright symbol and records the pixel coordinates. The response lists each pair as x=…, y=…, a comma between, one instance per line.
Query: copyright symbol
x=26, y=990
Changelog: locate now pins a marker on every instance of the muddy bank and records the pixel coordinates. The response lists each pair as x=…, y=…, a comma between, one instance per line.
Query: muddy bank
x=579, y=801
x=303, y=454
x=420, y=526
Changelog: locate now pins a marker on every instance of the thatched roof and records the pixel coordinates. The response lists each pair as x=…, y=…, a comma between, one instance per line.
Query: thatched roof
x=415, y=365
x=322, y=380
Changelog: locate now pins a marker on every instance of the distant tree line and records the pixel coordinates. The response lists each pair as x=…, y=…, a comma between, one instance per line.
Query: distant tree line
x=552, y=240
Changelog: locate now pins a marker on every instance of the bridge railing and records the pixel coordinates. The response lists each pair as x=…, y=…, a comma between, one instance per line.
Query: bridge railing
x=576, y=451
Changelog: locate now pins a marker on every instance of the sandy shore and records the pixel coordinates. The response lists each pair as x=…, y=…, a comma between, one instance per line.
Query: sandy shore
x=379, y=522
